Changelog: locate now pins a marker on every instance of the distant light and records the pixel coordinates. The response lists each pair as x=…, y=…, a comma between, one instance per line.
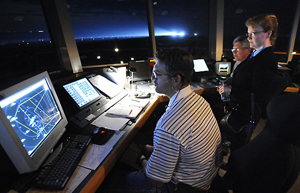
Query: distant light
x=121, y=62
x=41, y=31
x=98, y=57
x=195, y=34
x=116, y=49
x=155, y=3
x=176, y=34
x=132, y=58
x=294, y=52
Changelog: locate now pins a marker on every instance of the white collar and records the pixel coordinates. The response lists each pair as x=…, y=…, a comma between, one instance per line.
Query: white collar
x=179, y=95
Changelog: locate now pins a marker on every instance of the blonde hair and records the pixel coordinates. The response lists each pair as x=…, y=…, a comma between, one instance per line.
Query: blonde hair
x=267, y=22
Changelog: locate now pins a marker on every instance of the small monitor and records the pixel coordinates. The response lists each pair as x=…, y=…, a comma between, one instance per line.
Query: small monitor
x=200, y=65
x=31, y=122
x=223, y=68
x=82, y=92
x=140, y=69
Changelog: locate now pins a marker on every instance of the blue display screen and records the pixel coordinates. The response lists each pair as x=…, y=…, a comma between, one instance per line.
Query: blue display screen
x=32, y=113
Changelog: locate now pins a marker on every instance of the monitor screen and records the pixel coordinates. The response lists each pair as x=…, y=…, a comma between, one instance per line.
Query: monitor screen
x=200, y=65
x=223, y=68
x=31, y=121
x=82, y=92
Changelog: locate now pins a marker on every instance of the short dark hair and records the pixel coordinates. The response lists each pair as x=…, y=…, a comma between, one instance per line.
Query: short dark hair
x=267, y=22
x=177, y=61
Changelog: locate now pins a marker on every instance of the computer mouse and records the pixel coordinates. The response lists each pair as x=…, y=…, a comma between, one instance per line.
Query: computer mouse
x=101, y=135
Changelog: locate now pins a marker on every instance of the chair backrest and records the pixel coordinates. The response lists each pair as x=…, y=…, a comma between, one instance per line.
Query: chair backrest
x=271, y=161
x=279, y=84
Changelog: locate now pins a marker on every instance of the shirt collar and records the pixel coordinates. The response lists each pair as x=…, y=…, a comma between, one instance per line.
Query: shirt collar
x=255, y=52
x=177, y=96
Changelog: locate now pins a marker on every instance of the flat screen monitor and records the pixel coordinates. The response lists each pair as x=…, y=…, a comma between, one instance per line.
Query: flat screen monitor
x=82, y=92
x=31, y=122
x=141, y=70
x=200, y=65
x=223, y=68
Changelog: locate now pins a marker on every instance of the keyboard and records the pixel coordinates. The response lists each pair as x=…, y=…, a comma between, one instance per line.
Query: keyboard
x=56, y=174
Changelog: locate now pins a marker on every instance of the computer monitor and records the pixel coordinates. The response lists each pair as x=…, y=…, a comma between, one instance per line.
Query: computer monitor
x=200, y=65
x=82, y=92
x=31, y=121
x=223, y=68
x=140, y=69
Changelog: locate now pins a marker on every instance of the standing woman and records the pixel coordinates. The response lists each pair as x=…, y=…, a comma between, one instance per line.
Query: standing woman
x=257, y=73
x=262, y=34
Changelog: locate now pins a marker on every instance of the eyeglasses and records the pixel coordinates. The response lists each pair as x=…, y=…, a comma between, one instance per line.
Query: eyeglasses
x=237, y=49
x=155, y=75
x=250, y=35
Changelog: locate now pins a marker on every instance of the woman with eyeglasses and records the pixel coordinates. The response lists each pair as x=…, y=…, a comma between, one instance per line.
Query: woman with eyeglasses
x=255, y=75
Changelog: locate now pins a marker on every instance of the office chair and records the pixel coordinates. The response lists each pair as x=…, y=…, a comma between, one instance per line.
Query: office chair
x=271, y=161
x=279, y=84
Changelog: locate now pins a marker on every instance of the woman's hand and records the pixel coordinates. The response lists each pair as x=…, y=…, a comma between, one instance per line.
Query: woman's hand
x=223, y=88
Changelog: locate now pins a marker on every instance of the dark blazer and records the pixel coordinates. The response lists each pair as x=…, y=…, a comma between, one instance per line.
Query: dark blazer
x=254, y=75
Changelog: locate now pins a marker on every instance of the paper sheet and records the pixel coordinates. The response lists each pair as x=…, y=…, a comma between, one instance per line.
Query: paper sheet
x=94, y=155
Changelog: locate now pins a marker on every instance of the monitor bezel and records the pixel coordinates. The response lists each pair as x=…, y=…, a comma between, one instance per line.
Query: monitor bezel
x=11, y=142
x=87, y=104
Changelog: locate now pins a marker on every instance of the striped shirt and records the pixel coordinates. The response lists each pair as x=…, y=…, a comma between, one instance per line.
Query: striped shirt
x=186, y=142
